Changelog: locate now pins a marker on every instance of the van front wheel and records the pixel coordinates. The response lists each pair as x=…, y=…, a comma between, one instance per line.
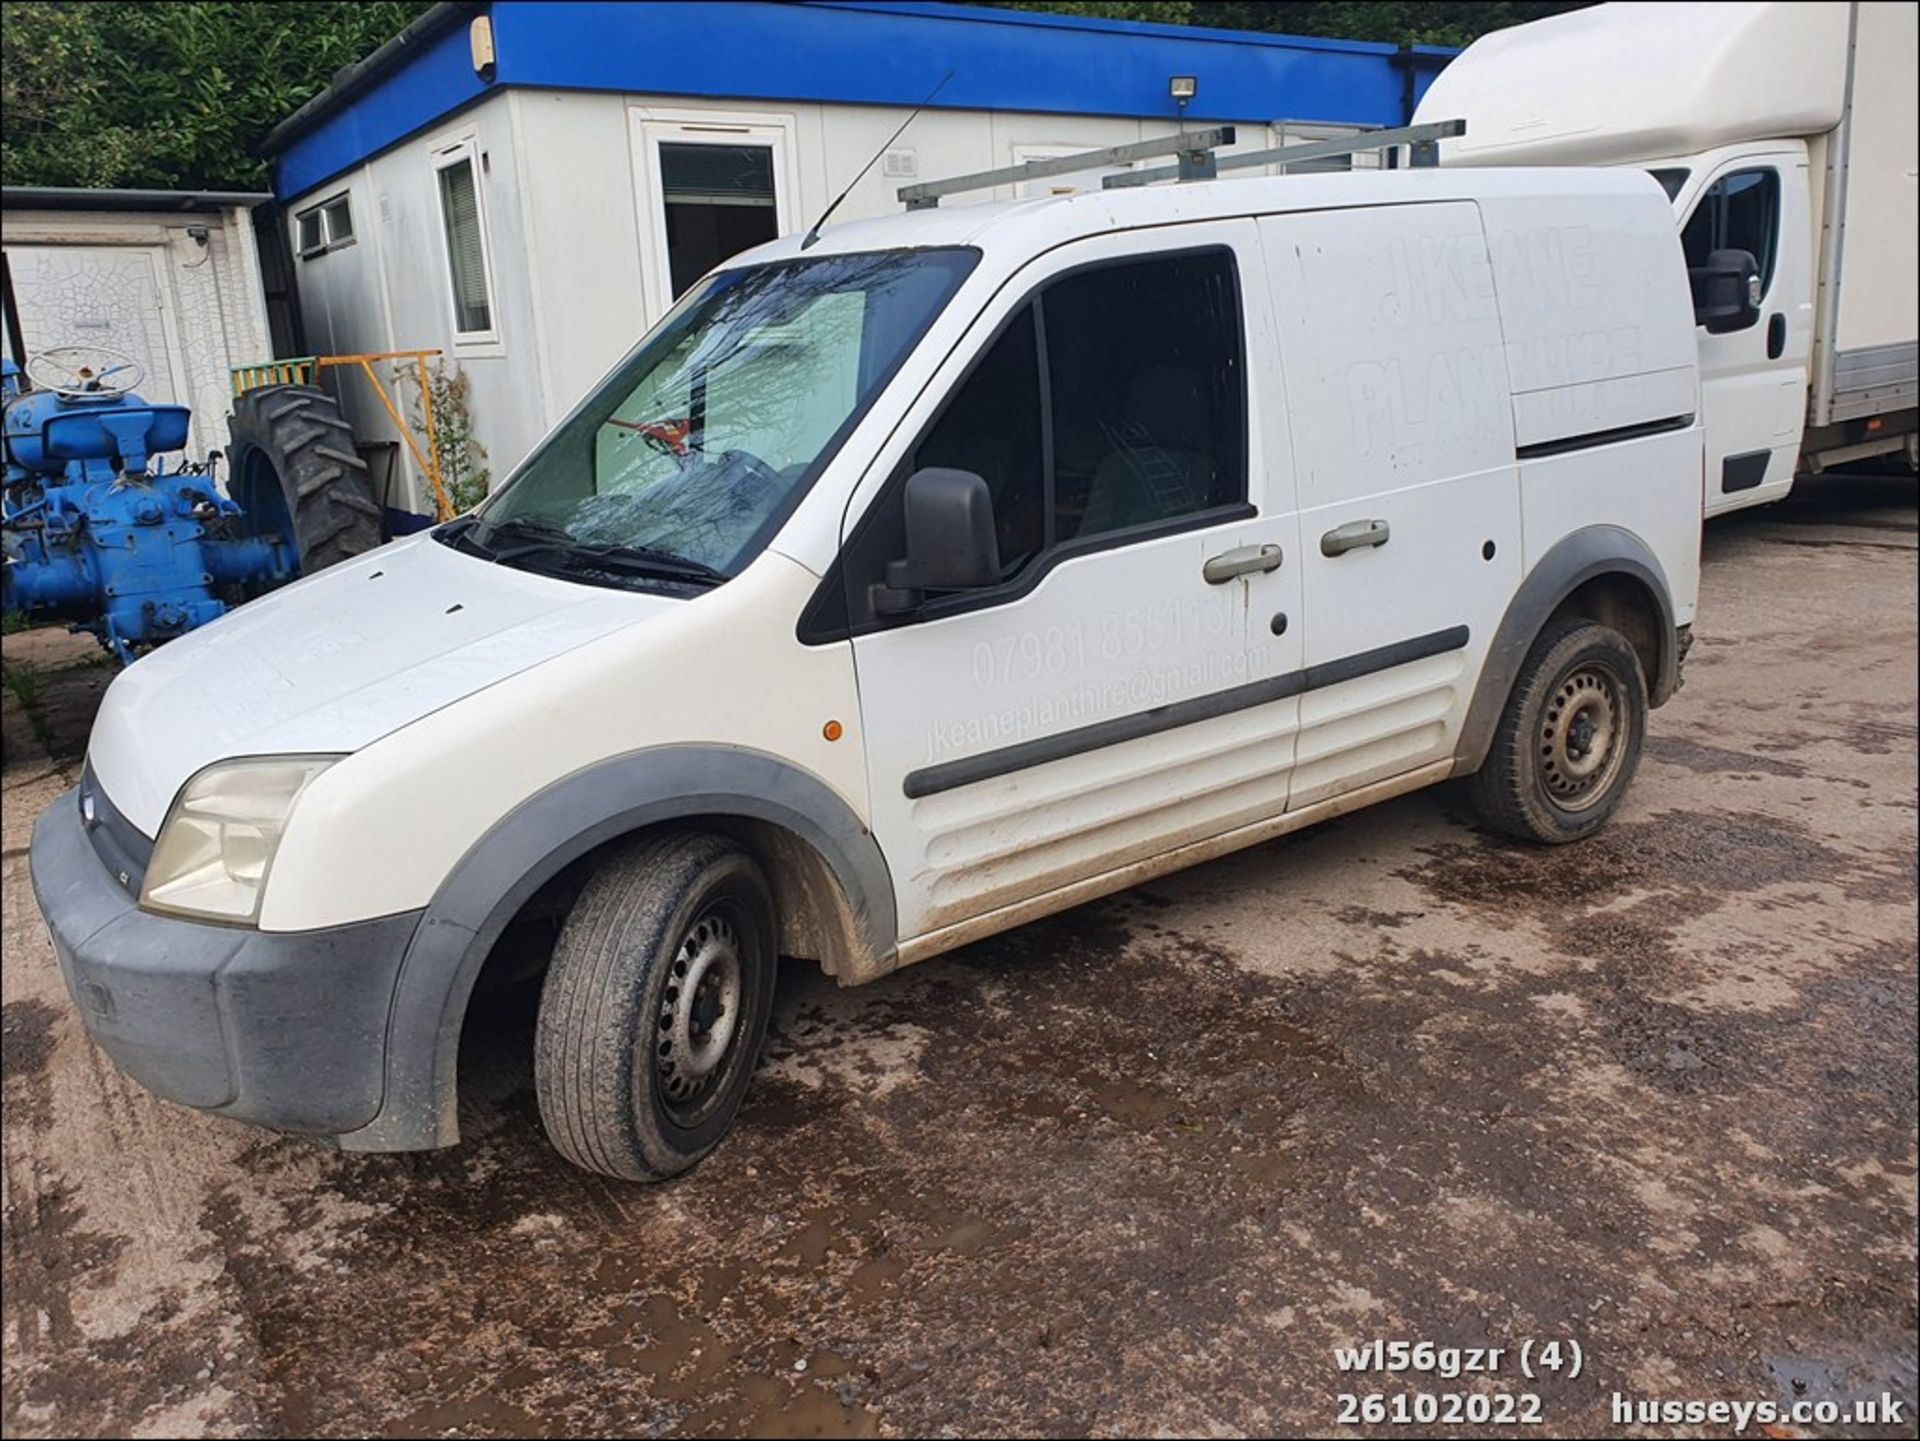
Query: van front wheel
x=1569, y=740
x=655, y=1006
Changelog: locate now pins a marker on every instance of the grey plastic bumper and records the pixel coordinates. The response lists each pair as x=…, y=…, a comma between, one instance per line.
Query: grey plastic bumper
x=286, y=1030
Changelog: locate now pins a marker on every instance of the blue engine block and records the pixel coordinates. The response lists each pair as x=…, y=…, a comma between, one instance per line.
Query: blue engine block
x=97, y=532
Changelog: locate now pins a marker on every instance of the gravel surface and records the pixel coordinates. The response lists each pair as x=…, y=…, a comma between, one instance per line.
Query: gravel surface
x=1137, y=1168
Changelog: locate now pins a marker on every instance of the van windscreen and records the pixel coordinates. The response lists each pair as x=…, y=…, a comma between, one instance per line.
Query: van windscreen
x=696, y=448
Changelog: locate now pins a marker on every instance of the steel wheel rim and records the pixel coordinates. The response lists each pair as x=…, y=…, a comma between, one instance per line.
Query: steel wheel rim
x=1581, y=738
x=699, y=1013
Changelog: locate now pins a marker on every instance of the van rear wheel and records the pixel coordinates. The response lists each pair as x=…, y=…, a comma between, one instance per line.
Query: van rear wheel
x=655, y=1006
x=1569, y=740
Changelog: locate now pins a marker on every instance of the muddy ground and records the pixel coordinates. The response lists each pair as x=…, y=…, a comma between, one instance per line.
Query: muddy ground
x=1141, y=1167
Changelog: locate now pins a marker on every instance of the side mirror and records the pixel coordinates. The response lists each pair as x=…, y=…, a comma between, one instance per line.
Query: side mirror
x=951, y=540
x=1726, y=291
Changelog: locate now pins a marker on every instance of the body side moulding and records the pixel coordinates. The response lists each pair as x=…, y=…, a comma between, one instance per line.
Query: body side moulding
x=932, y=780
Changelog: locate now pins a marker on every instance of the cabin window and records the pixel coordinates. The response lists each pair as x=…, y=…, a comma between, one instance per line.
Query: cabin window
x=1109, y=410
x=464, y=222
x=719, y=201
x=992, y=427
x=1148, y=391
x=338, y=215
x=323, y=227
x=1670, y=180
x=1740, y=211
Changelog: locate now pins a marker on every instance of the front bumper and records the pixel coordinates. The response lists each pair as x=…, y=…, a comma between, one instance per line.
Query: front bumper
x=286, y=1029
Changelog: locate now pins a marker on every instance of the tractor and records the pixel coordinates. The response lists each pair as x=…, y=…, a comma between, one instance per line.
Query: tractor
x=99, y=532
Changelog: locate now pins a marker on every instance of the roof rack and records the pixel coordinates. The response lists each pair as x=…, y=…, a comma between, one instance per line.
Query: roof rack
x=1195, y=159
x=1423, y=140
x=1193, y=147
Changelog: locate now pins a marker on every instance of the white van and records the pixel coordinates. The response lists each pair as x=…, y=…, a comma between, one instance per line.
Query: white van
x=961, y=567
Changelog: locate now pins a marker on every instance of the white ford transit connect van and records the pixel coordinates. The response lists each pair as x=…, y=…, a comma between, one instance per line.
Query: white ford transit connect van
x=896, y=590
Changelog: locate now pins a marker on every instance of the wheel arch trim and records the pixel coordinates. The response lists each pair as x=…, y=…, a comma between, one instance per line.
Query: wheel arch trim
x=555, y=827
x=1586, y=554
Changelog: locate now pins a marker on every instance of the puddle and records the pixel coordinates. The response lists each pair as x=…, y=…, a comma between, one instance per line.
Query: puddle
x=1717, y=760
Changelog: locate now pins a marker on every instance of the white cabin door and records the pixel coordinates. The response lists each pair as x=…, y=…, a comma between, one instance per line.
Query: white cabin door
x=1101, y=705
x=1753, y=382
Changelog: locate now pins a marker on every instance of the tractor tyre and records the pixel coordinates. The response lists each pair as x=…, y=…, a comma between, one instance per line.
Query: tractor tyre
x=292, y=468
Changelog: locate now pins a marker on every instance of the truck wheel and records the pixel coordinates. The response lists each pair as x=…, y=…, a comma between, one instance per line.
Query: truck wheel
x=655, y=1006
x=1569, y=740
x=292, y=468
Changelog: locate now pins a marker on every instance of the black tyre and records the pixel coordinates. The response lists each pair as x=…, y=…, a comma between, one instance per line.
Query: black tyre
x=292, y=468
x=1569, y=740
x=655, y=1006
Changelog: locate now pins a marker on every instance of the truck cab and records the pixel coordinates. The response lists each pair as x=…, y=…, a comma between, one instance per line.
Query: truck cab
x=1785, y=136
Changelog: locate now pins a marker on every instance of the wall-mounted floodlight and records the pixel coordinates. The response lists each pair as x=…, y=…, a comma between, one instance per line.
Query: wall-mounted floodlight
x=480, y=47
x=1182, y=87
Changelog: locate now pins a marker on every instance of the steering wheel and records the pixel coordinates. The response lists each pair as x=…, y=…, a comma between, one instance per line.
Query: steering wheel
x=85, y=372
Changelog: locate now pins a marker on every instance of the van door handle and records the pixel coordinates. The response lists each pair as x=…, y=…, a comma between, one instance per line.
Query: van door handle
x=1241, y=560
x=1354, y=535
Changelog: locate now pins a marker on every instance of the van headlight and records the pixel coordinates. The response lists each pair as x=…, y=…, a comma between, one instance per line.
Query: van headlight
x=217, y=843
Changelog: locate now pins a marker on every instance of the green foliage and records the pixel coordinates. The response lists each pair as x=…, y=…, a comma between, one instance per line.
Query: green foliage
x=24, y=682
x=1420, y=22
x=1159, y=12
x=175, y=96
x=462, y=458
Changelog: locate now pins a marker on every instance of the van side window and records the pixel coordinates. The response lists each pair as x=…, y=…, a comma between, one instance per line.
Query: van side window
x=992, y=428
x=1144, y=374
x=1740, y=211
x=1113, y=403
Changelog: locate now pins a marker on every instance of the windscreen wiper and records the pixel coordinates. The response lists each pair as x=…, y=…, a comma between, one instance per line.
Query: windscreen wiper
x=643, y=560
x=575, y=555
x=459, y=535
x=536, y=536
x=529, y=528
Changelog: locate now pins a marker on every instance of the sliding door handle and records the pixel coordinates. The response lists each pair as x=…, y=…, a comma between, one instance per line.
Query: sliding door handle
x=1354, y=535
x=1241, y=560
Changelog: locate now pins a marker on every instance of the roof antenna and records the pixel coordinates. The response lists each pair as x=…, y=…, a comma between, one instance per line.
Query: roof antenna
x=813, y=234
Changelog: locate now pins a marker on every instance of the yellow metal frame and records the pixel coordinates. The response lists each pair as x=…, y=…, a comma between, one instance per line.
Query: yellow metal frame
x=275, y=372
x=302, y=372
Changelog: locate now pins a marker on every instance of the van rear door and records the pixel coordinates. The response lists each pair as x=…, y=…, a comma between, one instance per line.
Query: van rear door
x=1403, y=444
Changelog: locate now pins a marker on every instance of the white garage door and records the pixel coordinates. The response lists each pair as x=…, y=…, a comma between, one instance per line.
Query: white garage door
x=106, y=296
